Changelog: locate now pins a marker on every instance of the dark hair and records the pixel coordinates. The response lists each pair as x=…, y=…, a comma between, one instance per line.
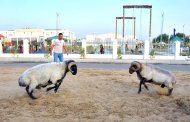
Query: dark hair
x=60, y=34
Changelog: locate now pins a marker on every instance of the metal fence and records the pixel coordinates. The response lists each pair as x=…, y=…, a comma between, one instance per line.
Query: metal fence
x=132, y=47
x=95, y=47
x=185, y=51
x=74, y=47
x=162, y=49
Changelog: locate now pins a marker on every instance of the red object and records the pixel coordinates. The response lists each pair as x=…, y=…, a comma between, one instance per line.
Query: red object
x=1, y=35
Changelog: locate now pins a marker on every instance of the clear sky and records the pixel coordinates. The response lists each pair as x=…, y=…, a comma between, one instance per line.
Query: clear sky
x=95, y=16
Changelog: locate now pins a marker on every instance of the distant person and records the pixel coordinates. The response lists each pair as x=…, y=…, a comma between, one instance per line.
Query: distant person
x=20, y=48
x=58, y=45
x=101, y=49
x=6, y=48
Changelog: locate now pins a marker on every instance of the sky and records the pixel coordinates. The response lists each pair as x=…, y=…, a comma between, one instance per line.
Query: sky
x=96, y=16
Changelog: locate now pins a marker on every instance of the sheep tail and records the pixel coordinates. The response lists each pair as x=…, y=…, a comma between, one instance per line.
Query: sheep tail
x=22, y=82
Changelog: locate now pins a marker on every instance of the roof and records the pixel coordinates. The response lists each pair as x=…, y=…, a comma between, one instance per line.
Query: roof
x=176, y=38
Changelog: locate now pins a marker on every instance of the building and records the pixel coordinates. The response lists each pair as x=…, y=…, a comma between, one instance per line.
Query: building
x=106, y=37
x=34, y=35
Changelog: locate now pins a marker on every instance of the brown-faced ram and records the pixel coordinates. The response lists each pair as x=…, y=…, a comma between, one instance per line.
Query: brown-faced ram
x=152, y=74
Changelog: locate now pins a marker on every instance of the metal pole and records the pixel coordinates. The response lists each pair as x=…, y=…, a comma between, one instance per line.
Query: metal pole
x=134, y=27
x=162, y=26
x=150, y=22
x=116, y=29
x=122, y=47
x=123, y=23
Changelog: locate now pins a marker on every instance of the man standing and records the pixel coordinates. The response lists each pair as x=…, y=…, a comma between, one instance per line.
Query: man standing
x=58, y=45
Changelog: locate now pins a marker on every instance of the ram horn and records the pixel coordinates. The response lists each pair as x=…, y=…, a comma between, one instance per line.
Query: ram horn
x=137, y=64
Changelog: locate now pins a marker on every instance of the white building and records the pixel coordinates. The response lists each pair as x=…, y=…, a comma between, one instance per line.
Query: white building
x=106, y=37
x=35, y=34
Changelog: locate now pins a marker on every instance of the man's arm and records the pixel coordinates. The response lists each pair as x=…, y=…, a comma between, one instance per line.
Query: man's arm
x=51, y=49
x=65, y=49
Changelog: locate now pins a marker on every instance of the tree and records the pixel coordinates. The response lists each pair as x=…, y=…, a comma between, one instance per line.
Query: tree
x=165, y=38
x=181, y=35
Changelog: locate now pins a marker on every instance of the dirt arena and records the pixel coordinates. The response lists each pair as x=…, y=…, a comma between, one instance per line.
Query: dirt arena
x=94, y=95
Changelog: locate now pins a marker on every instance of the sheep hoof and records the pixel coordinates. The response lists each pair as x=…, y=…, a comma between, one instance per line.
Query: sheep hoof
x=31, y=95
x=146, y=87
x=170, y=91
x=55, y=90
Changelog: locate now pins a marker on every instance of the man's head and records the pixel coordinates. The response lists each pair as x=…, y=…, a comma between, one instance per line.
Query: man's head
x=60, y=36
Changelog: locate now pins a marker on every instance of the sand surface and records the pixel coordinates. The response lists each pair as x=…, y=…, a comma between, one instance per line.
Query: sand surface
x=94, y=95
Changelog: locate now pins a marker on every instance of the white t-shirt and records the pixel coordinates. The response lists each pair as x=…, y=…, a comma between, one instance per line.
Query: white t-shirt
x=58, y=45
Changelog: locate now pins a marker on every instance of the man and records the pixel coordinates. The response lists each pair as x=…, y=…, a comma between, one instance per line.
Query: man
x=58, y=45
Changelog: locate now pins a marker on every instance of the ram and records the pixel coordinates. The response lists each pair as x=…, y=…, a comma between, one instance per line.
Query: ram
x=46, y=74
x=152, y=74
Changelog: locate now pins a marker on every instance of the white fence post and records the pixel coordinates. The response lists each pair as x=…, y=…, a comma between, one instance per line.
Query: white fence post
x=177, y=50
x=84, y=46
x=114, y=43
x=26, y=47
x=146, y=49
x=1, y=49
x=123, y=46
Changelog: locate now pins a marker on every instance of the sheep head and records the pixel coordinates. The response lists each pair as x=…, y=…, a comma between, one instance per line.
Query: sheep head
x=135, y=67
x=72, y=67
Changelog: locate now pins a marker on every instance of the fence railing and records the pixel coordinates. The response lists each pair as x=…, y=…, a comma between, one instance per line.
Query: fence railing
x=99, y=47
x=162, y=49
x=130, y=49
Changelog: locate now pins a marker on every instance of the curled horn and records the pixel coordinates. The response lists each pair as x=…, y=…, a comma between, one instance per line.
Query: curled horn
x=137, y=64
x=72, y=67
x=71, y=64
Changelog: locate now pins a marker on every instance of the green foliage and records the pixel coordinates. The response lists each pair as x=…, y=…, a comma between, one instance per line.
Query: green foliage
x=119, y=56
x=90, y=49
x=47, y=52
x=152, y=52
x=82, y=52
x=74, y=49
x=165, y=38
x=15, y=49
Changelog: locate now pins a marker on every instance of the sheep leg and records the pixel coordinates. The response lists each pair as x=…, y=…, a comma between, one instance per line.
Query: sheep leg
x=54, y=87
x=50, y=88
x=170, y=91
x=27, y=89
x=57, y=87
x=44, y=85
x=140, y=87
x=30, y=93
x=145, y=86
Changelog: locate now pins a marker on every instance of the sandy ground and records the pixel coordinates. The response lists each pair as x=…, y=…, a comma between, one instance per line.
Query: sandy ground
x=94, y=95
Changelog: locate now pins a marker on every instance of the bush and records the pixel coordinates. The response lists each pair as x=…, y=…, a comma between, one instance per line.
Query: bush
x=90, y=49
